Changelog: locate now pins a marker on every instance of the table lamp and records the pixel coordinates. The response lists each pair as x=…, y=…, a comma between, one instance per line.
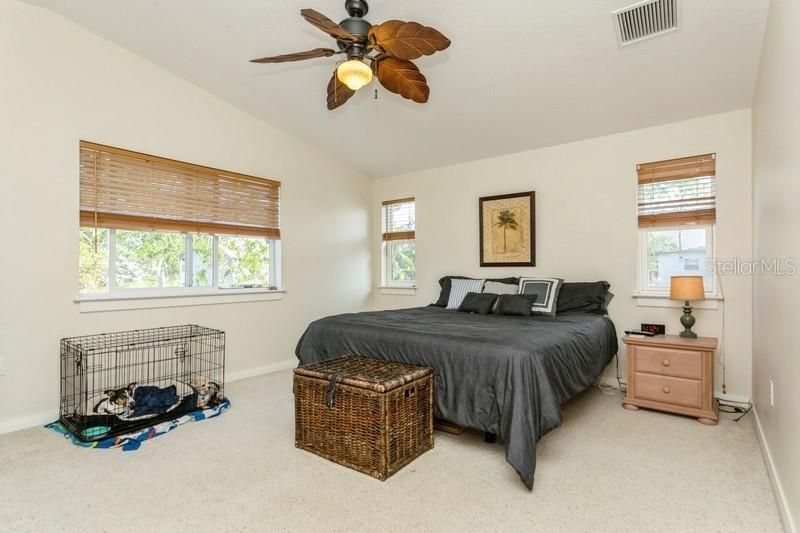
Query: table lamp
x=687, y=289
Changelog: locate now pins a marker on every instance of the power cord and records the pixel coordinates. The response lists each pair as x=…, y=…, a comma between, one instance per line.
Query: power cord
x=722, y=358
x=734, y=407
x=623, y=387
x=607, y=388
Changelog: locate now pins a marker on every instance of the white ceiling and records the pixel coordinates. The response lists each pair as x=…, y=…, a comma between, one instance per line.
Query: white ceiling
x=520, y=74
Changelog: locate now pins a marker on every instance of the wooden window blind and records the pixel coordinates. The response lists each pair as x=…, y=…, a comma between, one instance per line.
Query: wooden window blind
x=678, y=192
x=398, y=220
x=121, y=189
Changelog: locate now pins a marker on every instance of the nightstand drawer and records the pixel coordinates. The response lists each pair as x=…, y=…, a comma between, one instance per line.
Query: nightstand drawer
x=681, y=363
x=679, y=391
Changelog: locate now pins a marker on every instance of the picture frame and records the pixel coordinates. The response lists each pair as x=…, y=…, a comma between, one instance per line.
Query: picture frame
x=508, y=229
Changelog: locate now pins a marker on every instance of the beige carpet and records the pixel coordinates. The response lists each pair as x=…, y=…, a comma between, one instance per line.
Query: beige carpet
x=604, y=470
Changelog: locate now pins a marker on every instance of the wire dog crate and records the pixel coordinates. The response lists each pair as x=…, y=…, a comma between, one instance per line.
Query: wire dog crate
x=115, y=383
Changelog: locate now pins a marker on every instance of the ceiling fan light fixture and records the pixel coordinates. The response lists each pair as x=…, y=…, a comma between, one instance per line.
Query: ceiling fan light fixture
x=385, y=51
x=355, y=74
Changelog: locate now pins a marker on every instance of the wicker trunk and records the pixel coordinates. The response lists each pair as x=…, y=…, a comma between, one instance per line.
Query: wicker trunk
x=369, y=415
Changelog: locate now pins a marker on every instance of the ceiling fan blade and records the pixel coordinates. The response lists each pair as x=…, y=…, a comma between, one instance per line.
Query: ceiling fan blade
x=407, y=40
x=299, y=56
x=327, y=25
x=404, y=78
x=338, y=93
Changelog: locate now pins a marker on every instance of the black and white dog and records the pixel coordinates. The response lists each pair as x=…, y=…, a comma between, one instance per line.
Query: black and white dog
x=117, y=402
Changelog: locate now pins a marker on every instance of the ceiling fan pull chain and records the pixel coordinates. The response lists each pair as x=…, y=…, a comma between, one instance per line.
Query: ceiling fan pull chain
x=376, y=94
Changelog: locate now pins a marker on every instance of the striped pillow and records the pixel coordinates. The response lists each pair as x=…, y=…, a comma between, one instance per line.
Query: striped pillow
x=459, y=288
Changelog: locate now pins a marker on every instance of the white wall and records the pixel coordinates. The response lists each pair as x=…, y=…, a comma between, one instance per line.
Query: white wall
x=586, y=223
x=776, y=163
x=60, y=84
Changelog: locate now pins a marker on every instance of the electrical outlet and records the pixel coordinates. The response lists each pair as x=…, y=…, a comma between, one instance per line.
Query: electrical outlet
x=2, y=366
x=771, y=393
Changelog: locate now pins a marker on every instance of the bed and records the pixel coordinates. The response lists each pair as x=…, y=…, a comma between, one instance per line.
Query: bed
x=504, y=375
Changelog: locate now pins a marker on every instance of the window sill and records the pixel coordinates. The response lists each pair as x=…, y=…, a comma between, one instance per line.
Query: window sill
x=95, y=303
x=662, y=300
x=398, y=291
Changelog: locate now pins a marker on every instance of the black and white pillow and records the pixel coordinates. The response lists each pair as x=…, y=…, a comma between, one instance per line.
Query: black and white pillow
x=546, y=291
x=459, y=288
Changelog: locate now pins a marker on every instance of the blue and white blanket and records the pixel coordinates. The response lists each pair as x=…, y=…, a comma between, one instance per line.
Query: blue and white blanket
x=131, y=441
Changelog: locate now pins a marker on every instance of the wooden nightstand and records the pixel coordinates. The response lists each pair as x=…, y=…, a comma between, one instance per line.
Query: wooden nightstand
x=674, y=374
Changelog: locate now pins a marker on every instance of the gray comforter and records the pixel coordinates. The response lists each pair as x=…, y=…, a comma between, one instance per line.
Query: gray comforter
x=501, y=374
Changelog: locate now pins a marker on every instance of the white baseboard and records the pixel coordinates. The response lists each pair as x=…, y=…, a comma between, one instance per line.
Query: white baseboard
x=735, y=398
x=45, y=417
x=28, y=421
x=789, y=524
x=279, y=366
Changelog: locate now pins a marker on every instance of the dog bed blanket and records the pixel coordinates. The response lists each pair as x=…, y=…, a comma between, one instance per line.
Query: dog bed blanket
x=132, y=441
x=149, y=400
x=154, y=401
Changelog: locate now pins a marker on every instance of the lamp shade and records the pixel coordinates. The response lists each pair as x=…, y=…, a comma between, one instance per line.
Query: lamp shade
x=354, y=73
x=686, y=288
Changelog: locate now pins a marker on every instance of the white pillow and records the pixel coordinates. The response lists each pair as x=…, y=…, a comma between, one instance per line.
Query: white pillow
x=546, y=291
x=459, y=289
x=493, y=287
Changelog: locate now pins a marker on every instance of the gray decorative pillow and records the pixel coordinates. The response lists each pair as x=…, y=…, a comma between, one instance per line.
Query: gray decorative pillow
x=546, y=291
x=459, y=288
x=584, y=297
x=494, y=287
x=501, y=288
x=515, y=304
x=481, y=303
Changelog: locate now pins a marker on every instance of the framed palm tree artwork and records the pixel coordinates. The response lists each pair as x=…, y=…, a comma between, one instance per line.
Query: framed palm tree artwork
x=508, y=231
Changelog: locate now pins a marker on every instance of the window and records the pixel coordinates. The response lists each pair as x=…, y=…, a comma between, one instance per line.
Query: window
x=164, y=260
x=243, y=261
x=146, y=259
x=398, y=223
x=153, y=223
x=677, y=215
x=677, y=251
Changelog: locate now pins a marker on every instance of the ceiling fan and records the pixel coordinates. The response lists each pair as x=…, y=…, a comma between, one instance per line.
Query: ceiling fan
x=385, y=50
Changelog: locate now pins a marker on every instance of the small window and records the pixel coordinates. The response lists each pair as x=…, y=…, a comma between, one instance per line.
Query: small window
x=678, y=251
x=398, y=223
x=203, y=254
x=243, y=262
x=150, y=223
x=691, y=264
x=677, y=216
x=93, y=260
x=149, y=259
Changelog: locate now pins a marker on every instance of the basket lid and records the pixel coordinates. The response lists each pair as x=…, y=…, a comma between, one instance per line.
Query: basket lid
x=364, y=372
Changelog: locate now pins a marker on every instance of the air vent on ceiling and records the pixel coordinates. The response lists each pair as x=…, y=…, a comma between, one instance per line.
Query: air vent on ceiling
x=645, y=20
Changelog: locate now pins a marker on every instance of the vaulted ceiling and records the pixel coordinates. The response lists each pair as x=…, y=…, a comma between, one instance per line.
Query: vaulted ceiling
x=521, y=74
